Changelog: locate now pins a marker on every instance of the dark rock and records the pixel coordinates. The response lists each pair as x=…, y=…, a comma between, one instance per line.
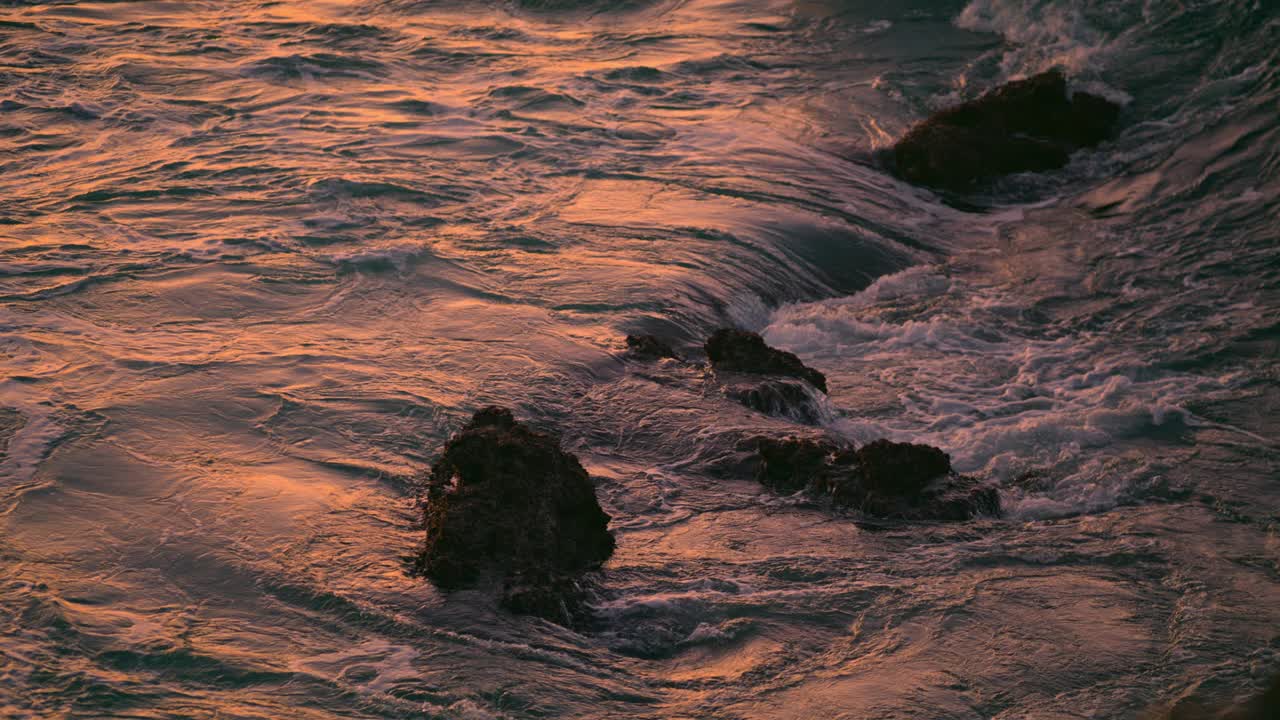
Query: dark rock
x=792, y=464
x=1027, y=125
x=1092, y=119
x=781, y=398
x=506, y=501
x=650, y=347
x=558, y=598
x=746, y=352
x=883, y=478
x=892, y=468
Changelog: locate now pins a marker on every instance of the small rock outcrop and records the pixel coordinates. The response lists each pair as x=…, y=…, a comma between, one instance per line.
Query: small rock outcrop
x=649, y=347
x=741, y=351
x=506, y=502
x=882, y=478
x=1027, y=125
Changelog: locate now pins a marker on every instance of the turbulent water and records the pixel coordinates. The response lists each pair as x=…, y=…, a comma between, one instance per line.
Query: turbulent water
x=259, y=259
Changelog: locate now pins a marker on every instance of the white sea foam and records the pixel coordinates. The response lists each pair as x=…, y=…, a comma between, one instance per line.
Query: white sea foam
x=1044, y=35
x=1002, y=402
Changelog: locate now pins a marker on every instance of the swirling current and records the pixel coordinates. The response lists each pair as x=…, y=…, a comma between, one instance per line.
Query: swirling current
x=259, y=259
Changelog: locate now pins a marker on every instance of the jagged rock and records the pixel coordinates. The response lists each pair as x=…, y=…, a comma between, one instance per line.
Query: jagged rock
x=882, y=478
x=746, y=352
x=649, y=347
x=1027, y=125
x=505, y=501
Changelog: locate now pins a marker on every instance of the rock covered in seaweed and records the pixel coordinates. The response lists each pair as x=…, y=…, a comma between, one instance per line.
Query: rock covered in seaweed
x=883, y=478
x=742, y=351
x=506, y=501
x=1027, y=125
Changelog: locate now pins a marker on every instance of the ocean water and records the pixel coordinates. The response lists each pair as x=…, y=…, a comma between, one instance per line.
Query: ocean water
x=259, y=259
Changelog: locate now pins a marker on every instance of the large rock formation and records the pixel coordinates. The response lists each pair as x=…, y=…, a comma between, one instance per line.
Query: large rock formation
x=1028, y=125
x=883, y=478
x=746, y=352
x=506, y=502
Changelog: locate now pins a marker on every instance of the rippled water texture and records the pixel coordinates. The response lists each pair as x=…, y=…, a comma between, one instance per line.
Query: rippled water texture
x=259, y=259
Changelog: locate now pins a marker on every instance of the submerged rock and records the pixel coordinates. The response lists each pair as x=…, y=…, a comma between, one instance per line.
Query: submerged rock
x=505, y=501
x=649, y=347
x=1027, y=125
x=792, y=399
x=882, y=478
x=746, y=352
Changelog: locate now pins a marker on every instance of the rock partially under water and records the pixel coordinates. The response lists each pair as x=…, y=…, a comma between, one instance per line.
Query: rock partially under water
x=506, y=502
x=1027, y=125
x=746, y=352
x=883, y=478
x=649, y=347
x=793, y=399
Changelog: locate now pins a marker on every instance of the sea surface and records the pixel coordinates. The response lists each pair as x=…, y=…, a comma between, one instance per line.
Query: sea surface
x=259, y=259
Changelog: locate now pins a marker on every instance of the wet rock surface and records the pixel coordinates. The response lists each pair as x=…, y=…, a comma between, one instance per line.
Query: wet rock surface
x=883, y=478
x=792, y=464
x=1029, y=125
x=505, y=501
x=742, y=351
x=788, y=390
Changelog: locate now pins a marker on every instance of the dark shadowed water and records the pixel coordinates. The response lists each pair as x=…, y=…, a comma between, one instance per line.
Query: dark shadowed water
x=259, y=259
